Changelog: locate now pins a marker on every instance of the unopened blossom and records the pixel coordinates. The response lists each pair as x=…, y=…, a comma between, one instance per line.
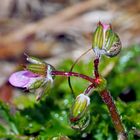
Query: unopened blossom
x=105, y=41
x=79, y=107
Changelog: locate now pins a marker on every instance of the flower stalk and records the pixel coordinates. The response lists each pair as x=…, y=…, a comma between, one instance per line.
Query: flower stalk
x=96, y=63
x=108, y=100
x=75, y=74
x=38, y=74
x=105, y=95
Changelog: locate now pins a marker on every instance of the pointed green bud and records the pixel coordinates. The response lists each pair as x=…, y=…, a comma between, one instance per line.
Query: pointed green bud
x=98, y=37
x=34, y=60
x=79, y=107
x=37, y=65
x=37, y=68
x=105, y=41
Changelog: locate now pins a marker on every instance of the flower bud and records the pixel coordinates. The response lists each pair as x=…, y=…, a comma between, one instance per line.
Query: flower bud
x=37, y=68
x=79, y=107
x=105, y=41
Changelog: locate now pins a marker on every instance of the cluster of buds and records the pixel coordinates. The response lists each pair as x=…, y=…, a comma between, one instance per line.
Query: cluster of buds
x=38, y=74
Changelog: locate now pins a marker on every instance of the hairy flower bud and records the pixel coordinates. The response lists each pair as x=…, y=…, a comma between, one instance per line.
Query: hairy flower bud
x=34, y=60
x=79, y=107
x=105, y=41
x=37, y=68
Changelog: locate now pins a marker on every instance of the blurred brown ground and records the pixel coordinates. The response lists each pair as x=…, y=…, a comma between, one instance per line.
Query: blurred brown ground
x=58, y=29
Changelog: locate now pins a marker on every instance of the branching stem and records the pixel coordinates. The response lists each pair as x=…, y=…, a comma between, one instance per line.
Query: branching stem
x=105, y=95
x=68, y=74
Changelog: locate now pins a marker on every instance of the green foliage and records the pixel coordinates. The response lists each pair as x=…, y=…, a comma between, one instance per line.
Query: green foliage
x=48, y=118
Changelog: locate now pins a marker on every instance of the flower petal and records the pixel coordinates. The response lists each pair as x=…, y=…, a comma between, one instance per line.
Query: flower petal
x=105, y=26
x=30, y=74
x=19, y=79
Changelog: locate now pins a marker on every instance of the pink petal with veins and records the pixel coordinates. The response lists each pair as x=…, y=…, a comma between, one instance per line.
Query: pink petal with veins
x=105, y=26
x=21, y=78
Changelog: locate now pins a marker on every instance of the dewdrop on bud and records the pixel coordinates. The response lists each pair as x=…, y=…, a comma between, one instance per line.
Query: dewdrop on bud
x=82, y=123
x=60, y=138
x=105, y=41
x=79, y=107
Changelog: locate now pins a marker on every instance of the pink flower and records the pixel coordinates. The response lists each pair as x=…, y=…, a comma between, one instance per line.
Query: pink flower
x=24, y=79
x=35, y=76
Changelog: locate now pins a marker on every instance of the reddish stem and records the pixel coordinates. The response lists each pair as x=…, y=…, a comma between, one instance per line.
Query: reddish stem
x=105, y=95
x=68, y=74
x=107, y=98
x=89, y=88
x=96, y=63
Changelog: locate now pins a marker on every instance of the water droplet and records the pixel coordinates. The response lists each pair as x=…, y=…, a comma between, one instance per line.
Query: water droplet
x=134, y=128
x=30, y=124
x=126, y=58
x=84, y=135
x=66, y=101
x=56, y=115
x=20, y=106
x=82, y=123
x=64, y=112
x=27, y=116
x=61, y=118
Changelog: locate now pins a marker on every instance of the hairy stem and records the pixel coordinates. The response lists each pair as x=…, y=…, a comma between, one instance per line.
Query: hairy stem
x=68, y=74
x=89, y=89
x=69, y=81
x=96, y=63
x=108, y=100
